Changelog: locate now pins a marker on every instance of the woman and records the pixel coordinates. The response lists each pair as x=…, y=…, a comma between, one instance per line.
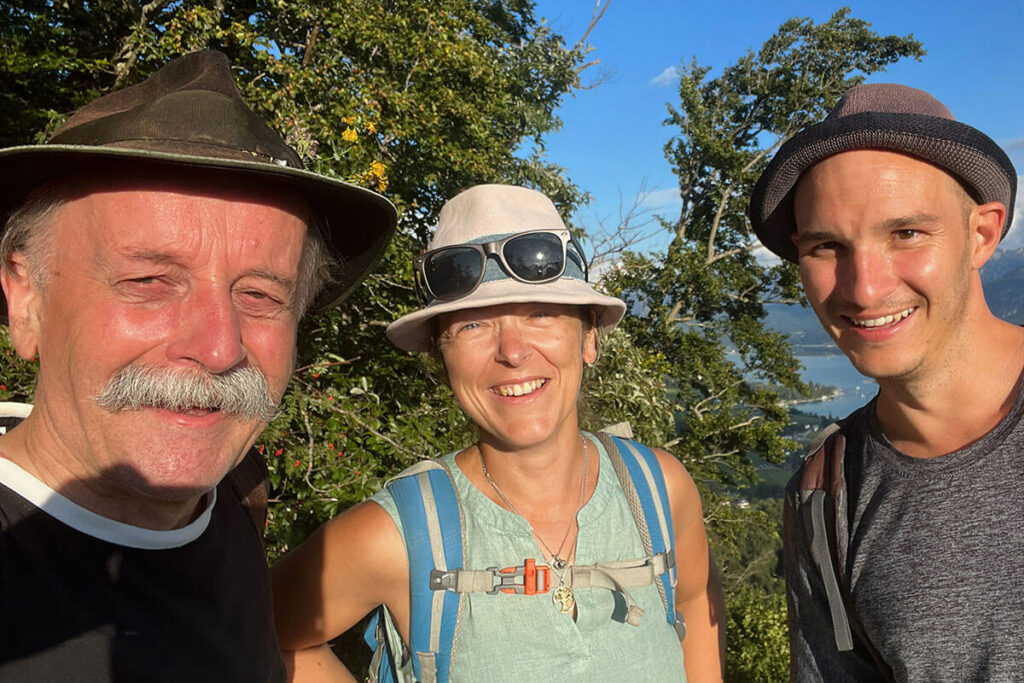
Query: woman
x=513, y=321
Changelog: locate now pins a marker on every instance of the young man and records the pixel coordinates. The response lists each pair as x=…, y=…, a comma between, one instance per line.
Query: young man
x=157, y=257
x=890, y=208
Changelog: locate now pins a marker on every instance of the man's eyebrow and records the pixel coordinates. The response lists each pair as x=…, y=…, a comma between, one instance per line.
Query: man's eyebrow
x=150, y=255
x=163, y=257
x=276, y=278
x=909, y=220
x=896, y=223
x=815, y=235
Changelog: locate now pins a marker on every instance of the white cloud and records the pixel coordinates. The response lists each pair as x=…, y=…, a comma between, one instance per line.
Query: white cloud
x=1015, y=237
x=670, y=76
x=764, y=257
x=660, y=199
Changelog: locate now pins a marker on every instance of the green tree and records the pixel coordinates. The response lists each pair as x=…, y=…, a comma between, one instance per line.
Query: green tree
x=757, y=647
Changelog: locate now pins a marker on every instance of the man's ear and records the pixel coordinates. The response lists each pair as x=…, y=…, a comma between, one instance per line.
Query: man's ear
x=23, y=302
x=986, y=226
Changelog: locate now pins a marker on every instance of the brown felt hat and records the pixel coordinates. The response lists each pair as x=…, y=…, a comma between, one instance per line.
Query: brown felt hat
x=190, y=115
x=884, y=116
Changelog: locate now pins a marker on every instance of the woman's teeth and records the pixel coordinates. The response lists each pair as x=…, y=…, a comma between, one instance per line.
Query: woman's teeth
x=521, y=389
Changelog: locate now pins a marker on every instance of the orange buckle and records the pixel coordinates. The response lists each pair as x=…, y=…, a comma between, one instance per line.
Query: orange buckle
x=508, y=583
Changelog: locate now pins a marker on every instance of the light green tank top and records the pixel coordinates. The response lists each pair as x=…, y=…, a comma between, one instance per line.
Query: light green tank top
x=520, y=638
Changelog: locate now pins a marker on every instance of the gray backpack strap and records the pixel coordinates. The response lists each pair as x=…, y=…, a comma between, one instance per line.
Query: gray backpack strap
x=823, y=481
x=823, y=475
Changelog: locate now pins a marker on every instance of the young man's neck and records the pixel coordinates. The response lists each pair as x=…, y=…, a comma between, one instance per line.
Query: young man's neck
x=962, y=399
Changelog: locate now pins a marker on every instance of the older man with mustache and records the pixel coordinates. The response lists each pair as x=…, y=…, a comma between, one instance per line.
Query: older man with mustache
x=157, y=257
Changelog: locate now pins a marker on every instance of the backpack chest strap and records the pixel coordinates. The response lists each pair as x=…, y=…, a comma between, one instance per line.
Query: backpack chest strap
x=531, y=578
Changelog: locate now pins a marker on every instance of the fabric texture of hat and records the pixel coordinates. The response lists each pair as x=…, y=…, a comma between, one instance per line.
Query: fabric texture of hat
x=883, y=116
x=491, y=212
x=190, y=115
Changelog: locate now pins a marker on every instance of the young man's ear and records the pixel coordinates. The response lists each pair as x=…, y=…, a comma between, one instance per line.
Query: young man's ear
x=986, y=226
x=23, y=301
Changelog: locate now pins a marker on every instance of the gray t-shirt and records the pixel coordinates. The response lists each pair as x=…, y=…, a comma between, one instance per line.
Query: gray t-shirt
x=936, y=562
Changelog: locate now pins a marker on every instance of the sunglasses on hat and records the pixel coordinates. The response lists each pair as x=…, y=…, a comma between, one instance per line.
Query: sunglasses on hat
x=535, y=257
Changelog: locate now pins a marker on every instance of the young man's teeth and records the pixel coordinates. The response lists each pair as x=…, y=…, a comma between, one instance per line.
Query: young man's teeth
x=884, y=320
x=521, y=389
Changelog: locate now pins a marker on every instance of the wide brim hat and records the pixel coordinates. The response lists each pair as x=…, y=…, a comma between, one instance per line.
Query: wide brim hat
x=189, y=115
x=885, y=116
x=492, y=212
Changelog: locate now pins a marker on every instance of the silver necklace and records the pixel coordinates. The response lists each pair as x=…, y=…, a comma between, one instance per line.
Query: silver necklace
x=562, y=597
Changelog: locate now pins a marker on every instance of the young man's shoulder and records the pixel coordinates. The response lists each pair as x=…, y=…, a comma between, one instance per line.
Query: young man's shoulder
x=854, y=425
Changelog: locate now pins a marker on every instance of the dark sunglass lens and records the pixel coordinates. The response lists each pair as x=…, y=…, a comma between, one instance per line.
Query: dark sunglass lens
x=535, y=257
x=453, y=272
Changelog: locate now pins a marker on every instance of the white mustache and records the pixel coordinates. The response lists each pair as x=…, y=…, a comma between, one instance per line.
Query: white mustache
x=243, y=392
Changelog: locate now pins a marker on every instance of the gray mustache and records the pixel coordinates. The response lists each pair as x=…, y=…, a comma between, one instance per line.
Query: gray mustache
x=243, y=392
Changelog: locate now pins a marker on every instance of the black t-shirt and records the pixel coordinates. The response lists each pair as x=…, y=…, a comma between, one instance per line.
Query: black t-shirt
x=183, y=606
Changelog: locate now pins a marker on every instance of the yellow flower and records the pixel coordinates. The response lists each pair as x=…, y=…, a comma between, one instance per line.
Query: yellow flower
x=348, y=120
x=378, y=169
x=349, y=135
x=371, y=128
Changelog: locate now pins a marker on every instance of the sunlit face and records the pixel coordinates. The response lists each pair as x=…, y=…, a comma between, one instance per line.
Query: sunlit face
x=885, y=259
x=169, y=275
x=515, y=368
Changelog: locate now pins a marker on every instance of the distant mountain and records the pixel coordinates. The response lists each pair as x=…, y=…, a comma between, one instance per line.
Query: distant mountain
x=802, y=326
x=1002, y=277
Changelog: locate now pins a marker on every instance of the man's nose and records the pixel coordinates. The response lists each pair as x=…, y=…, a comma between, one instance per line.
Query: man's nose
x=209, y=334
x=866, y=277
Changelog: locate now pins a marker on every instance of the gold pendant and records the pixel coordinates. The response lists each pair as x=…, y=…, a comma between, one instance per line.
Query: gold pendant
x=564, y=599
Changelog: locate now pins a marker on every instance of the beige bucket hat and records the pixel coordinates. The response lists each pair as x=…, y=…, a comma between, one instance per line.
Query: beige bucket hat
x=486, y=213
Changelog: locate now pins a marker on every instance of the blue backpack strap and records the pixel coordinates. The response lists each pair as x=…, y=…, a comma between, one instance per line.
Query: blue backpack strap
x=432, y=524
x=387, y=646
x=644, y=485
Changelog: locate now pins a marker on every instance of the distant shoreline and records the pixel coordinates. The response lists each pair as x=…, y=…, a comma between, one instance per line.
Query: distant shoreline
x=835, y=393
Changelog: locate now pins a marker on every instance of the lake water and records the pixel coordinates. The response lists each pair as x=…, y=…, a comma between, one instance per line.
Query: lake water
x=836, y=370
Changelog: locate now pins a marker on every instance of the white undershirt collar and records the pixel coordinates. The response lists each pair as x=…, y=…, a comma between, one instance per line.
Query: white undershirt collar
x=88, y=522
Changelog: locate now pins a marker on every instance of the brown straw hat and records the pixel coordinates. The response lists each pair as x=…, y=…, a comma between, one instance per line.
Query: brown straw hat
x=190, y=115
x=881, y=116
x=490, y=212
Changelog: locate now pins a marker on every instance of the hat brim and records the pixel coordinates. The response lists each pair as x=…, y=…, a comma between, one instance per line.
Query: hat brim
x=412, y=332
x=964, y=152
x=358, y=223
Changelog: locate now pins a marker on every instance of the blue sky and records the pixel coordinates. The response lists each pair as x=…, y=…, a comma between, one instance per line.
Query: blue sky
x=613, y=135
